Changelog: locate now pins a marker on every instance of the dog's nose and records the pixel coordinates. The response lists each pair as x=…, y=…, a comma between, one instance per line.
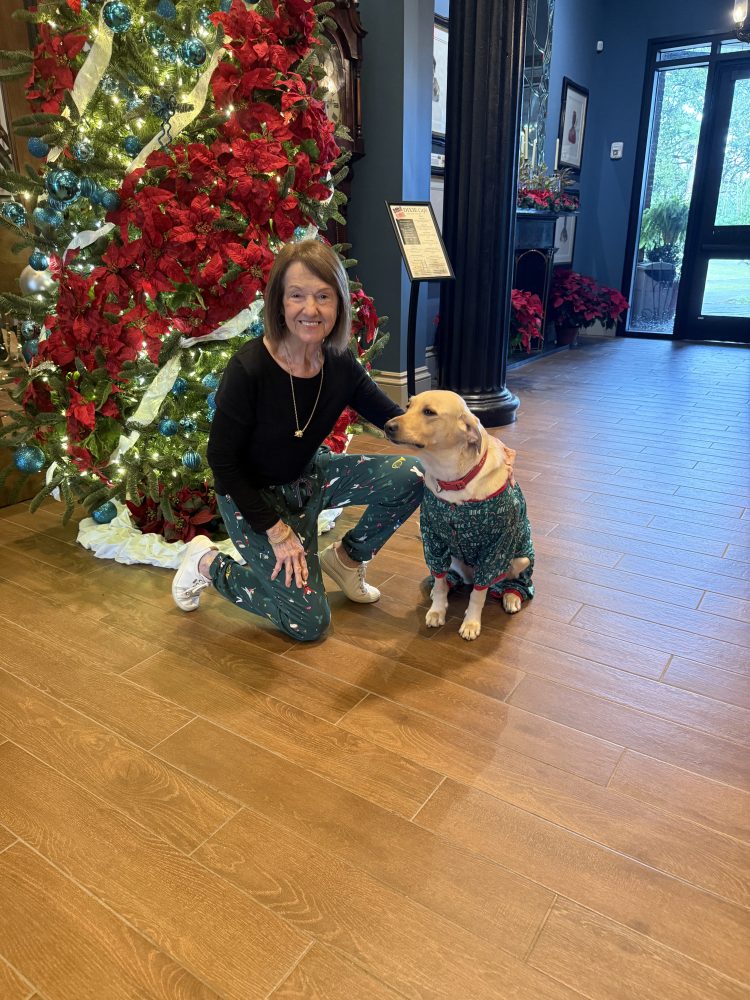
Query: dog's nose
x=391, y=426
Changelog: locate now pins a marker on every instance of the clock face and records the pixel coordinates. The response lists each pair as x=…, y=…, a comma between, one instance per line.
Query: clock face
x=333, y=82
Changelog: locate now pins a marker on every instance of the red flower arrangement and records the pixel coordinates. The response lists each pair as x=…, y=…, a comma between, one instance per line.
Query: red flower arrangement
x=577, y=300
x=525, y=321
x=53, y=69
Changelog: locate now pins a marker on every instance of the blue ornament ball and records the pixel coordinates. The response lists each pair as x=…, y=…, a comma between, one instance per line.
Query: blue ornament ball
x=132, y=145
x=299, y=233
x=204, y=18
x=44, y=215
x=168, y=427
x=36, y=147
x=211, y=381
x=117, y=16
x=109, y=84
x=109, y=200
x=211, y=401
x=225, y=5
x=39, y=261
x=30, y=349
x=210, y=414
x=56, y=205
x=83, y=150
x=191, y=460
x=168, y=53
x=155, y=34
x=166, y=9
x=28, y=458
x=188, y=425
x=180, y=386
x=192, y=52
x=256, y=328
x=29, y=328
x=14, y=211
x=63, y=185
x=104, y=514
x=88, y=187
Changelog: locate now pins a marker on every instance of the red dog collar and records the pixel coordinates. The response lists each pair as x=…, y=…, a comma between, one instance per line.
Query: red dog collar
x=459, y=484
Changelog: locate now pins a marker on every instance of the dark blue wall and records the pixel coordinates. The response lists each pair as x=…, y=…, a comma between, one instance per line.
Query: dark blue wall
x=615, y=79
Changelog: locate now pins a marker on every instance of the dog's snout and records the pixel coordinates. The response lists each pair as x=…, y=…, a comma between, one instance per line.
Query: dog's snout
x=391, y=426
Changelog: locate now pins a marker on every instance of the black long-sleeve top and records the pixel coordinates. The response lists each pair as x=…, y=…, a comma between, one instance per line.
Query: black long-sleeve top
x=252, y=443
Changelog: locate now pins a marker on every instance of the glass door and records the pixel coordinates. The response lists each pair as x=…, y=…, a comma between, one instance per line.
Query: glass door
x=715, y=301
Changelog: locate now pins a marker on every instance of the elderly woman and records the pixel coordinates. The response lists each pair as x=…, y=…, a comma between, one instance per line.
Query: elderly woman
x=278, y=400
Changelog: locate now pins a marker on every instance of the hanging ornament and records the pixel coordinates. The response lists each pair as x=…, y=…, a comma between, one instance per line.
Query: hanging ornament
x=104, y=514
x=109, y=84
x=14, y=211
x=192, y=52
x=155, y=34
x=211, y=401
x=168, y=53
x=256, y=328
x=166, y=9
x=225, y=6
x=39, y=261
x=188, y=425
x=191, y=460
x=34, y=282
x=30, y=349
x=29, y=329
x=211, y=381
x=63, y=186
x=133, y=102
x=180, y=386
x=45, y=215
x=109, y=200
x=204, y=18
x=117, y=16
x=36, y=147
x=83, y=150
x=88, y=187
x=132, y=145
x=29, y=458
x=168, y=427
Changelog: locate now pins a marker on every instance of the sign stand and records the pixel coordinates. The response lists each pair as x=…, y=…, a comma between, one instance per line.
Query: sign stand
x=426, y=259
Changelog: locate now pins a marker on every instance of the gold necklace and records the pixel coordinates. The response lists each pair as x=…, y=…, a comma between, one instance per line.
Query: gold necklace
x=301, y=430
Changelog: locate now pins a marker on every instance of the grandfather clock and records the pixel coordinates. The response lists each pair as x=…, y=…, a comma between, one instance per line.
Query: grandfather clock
x=342, y=61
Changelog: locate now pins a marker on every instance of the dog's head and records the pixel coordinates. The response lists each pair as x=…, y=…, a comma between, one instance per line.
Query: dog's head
x=437, y=421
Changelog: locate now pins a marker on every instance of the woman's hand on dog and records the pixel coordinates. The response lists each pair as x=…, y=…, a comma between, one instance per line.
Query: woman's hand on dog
x=290, y=556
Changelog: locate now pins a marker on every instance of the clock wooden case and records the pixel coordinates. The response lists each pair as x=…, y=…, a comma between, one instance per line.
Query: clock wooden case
x=343, y=63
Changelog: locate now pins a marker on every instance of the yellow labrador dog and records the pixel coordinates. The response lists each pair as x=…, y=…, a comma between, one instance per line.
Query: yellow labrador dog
x=473, y=516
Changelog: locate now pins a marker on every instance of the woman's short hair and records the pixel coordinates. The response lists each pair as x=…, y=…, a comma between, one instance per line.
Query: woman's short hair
x=325, y=264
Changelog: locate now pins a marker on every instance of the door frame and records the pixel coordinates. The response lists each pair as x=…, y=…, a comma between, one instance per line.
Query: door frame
x=713, y=59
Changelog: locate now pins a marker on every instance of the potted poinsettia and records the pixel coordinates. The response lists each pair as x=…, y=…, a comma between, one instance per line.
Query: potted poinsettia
x=577, y=301
x=525, y=321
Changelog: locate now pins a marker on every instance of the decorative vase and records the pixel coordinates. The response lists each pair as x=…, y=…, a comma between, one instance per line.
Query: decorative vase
x=567, y=336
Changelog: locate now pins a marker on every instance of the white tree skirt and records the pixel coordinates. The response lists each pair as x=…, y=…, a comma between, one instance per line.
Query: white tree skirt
x=122, y=541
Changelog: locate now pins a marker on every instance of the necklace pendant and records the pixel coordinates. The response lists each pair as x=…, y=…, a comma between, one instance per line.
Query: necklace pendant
x=298, y=434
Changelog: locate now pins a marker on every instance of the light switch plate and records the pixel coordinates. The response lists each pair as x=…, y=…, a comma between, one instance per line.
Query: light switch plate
x=615, y=151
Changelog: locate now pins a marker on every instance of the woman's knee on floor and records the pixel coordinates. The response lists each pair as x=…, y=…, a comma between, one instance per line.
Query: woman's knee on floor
x=307, y=625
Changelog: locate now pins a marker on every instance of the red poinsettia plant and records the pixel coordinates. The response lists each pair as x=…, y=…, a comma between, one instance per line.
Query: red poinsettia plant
x=525, y=321
x=577, y=300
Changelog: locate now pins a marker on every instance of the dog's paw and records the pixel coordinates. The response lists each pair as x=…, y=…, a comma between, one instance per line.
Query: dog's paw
x=433, y=619
x=470, y=630
x=512, y=603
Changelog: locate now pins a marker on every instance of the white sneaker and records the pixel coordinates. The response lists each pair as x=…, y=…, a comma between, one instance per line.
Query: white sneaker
x=188, y=581
x=351, y=581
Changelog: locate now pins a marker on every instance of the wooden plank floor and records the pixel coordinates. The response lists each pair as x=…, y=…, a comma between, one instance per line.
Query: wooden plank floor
x=192, y=807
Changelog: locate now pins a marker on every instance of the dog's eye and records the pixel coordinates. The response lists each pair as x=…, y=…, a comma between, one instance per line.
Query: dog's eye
x=428, y=412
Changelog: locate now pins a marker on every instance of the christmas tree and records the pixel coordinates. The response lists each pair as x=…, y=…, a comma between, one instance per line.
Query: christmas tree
x=181, y=146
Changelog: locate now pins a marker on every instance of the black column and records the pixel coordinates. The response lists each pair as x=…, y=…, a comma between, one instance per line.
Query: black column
x=485, y=60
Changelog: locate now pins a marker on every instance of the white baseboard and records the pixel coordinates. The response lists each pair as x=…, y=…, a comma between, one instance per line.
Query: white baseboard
x=393, y=384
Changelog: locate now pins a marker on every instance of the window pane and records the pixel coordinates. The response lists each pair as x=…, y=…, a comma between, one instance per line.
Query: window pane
x=727, y=290
x=684, y=52
x=676, y=115
x=735, y=45
x=733, y=208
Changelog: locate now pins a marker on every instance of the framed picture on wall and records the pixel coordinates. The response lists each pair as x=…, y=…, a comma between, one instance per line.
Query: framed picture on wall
x=565, y=238
x=573, y=109
x=439, y=78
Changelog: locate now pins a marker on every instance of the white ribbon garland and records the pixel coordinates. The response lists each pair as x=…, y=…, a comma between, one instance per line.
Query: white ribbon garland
x=89, y=76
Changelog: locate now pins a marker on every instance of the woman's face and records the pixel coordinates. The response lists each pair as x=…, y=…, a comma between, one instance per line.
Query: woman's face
x=310, y=305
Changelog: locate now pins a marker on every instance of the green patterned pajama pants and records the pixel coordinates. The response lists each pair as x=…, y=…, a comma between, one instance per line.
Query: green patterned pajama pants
x=390, y=486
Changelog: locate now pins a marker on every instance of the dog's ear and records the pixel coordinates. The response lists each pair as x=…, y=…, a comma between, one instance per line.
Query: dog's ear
x=473, y=432
x=509, y=457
